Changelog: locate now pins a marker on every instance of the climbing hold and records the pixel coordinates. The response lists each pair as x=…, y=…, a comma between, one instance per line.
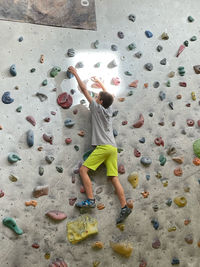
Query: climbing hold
x=59, y=169
x=65, y=100
x=20, y=39
x=96, y=44
x=180, y=201
x=97, y=245
x=169, y=202
x=155, y=224
x=121, y=169
x=31, y=203
x=120, y=35
x=39, y=191
x=134, y=84
x=112, y=64
x=79, y=65
x=178, y=172
x=175, y=261
x=68, y=141
x=180, y=50
x=100, y=206
x=178, y=159
x=168, y=83
x=42, y=59
x=171, y=105
x=45, y=82
x=57, y=262
x=145, y=194
x=71, y=52
x=140, y=122
x=69, y=74
x=54, y=72
x=114, y=47
x=133, y=179
x=156, y=243
x=171, y=151
x=35, y=245
x=76, y=148
x=143, y=263
x=48, y=138
x=97, y=65
x=131, y=46
x=13, y=70
x=189, y=239
x=190, y=19
x=1, y=193
x=13, y=157
x=128, y=73
x=196, y=161
x=41, y=170
x=148, y=66
x=115, y=81
x=148, y=34
x=196, y=148
x=183, y=84
x=146, y=85
x=81, y=228
x=159, y=141
x=171, y=74
x=137, y=153
x=31, y=120
x=6, y=99
x=164, y=36
x=132, y=17
x=69, y=122
x=19, y=109
x=193, y=38
x=190, y=122
x=56, y=215
x=162, y=95
x=193, y=96
x=32, y=70
x=186, y=43
x=30, y=138
x=138, y=54
x=11, y=223
x=162, y=160
x=155, y=207
x=187, y=221
x=49, y=159
x=142, y=140
x=47, y=119
x=179, y=96
x=124, y=249
x=72, y=201
x=13, y=178
x=156, y=84
x=129, y=203
x=148, y=177
x=197, y=69
x=172, y=229
x=163, y=61
x=181, y=70
x=146, y=161
x=159, y=48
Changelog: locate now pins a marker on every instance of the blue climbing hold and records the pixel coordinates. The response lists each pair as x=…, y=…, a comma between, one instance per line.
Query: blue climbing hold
x=148, y=34
x=115, y=133
x=175, y=261
x=69, y=74
x=155, y=224
x=169, y=202
x=69, y=122
x=13, y=71
x=86, y=154
x=20, y=39
x=146, y=161
x=6, y=99
x=30, y=138
x=148, y=177
x=142, y=140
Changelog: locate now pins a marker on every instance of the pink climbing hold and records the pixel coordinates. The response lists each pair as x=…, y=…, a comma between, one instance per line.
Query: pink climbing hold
x=121, y=169
x=115, y=81
x=137, y=153
x=65, y=100
x=31, y=120
x=134, y=84
x=56, y=215
x=180, y=50
x=48, y=138
x=1, y=193
x=68, y=141
x=198, y=123
x=58, y=262
x=183, y=84
x=143, y=263
x=140, y=122
x=72, y=201
x=159, y=142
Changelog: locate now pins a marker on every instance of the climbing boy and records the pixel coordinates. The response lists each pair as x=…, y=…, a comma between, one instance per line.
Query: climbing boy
x=105, y=147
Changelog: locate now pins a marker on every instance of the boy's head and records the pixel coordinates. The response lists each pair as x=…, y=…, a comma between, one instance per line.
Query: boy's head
x=105, y=99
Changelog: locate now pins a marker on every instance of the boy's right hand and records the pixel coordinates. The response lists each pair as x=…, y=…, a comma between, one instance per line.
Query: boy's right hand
x=72, y=70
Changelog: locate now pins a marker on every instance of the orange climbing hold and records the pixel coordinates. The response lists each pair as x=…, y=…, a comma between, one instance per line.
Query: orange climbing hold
x=31, y=203
x=100, y=206
x=145, y=194
x=121, y=99
x=81, y=133
x=187, y=221
x=42, y=59
x=196, y=161
x=178, y=172
x=146, y=85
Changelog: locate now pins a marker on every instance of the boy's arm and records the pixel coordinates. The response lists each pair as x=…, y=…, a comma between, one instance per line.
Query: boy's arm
x=81, y=84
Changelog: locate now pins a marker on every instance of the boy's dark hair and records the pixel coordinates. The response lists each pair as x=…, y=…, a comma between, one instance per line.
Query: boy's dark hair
x=106, y=98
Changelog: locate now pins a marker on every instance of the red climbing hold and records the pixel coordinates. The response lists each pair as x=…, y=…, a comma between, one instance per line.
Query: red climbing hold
x=137, y=153
x=65, y=100
x=159, y=142
x=190, y=122
x=140, y=122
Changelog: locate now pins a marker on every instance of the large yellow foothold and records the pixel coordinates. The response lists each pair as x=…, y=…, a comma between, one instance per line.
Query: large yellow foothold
x=81, y=228
x=133, y=179
x=180, y=201
x=124, y=249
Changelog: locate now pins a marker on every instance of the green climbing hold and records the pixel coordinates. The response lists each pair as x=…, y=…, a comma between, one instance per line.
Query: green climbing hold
x=44, y=83
x=10, y=223
x=59, y=169
x=76, y=148
x=190, y=19
x=86, y=154
x=196, y=148
x=186, y=43
x=32, y=70
x=19, y=109
x=128, y=73
x=193, y=38
x=12, y=157
x=181, y=70
x=55, y=71
x=119, y=150
x=168, y=84
x=132, y=46
x=162, y=160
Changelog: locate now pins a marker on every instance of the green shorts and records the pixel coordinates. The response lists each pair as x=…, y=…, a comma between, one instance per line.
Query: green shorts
x=106, y=154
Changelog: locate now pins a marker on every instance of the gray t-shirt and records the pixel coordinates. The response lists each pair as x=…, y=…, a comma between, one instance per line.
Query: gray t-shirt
x=102, y=131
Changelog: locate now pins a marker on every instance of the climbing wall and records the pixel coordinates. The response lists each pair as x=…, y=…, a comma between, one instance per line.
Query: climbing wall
x=61, y=13
x=145, y=54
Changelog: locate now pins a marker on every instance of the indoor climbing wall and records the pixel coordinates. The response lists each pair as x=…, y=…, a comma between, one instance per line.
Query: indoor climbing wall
x=147, y=55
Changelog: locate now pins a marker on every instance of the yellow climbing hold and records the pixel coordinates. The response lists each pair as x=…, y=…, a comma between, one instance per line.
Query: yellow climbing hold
x=133, y=179
x=193, y=96
x=81, y=228
x=180, y=201
x=47, y=255
x=124, y=249
x=121, y=226
x=171, y=229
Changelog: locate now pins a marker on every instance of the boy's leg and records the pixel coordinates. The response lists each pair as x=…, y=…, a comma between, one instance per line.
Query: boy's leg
x=86, y=181
x=119, y=190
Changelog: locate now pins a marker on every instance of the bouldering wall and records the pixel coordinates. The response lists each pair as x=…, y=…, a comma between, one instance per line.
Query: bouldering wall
x=61, y=13
x=145, y=61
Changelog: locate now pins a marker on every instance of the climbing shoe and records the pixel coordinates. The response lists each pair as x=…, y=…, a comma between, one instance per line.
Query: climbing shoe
x=88, y=203
x=125, y=212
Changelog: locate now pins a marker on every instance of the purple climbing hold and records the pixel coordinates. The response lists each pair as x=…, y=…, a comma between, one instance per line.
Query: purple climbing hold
x=6, y=99
x=148, y=34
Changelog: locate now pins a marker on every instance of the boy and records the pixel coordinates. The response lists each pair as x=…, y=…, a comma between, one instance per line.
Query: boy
x=105, y=151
